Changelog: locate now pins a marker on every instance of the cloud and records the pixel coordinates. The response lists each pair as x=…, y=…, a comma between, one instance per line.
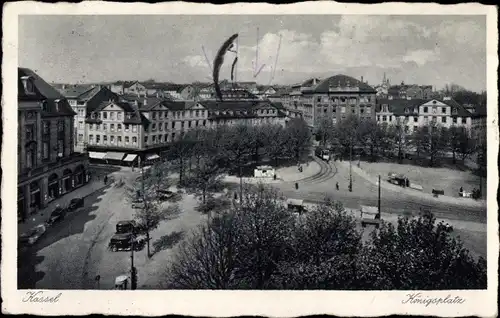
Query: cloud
x=422, y=57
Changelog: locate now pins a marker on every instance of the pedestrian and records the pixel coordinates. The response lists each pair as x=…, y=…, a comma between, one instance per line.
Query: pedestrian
x=461, y=189
x=337, y=186
x=407, y=182
x=274, y=177
x=296, y=185
x=105, y=179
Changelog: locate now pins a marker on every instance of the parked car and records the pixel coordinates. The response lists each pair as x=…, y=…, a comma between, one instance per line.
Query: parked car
x=165, y=195
x=124, y=241
x=138, y=204
x=296, y=205
x=370, y=216
x=128, y=226
x=33, y=235
x=57, y=215
x=75, y=204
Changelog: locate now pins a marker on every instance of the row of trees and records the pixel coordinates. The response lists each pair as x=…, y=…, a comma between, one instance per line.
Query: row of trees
x=431, y=140
x=203, y=156
x=262, y=245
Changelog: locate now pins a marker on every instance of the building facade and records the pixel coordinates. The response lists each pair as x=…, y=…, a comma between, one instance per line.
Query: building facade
x=83, y=99
x=334, y=98
x=48, y=167
x=414, y=113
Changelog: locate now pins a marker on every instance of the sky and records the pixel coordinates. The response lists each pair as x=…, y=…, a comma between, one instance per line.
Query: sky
x=425, y=50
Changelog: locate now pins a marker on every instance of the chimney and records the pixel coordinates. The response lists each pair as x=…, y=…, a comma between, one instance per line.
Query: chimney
x=361, y=79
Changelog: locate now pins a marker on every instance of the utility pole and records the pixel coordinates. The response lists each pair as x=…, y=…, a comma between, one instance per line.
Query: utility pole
x=379, y=195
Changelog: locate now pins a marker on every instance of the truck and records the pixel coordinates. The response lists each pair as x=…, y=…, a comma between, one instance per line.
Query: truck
x=370, y=215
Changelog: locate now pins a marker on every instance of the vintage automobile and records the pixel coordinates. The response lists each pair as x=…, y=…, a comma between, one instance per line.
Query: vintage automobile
x=33, y=235
x=57, y=215
x=121, y=282
x=165, y=195
x=128, y=226
x=296, y=205
x=138, y=204
x=370, y=215
x=75, y=204
x=125, y=241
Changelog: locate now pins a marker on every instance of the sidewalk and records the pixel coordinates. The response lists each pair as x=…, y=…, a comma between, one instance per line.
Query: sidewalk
x=427, y=196
x=43, y=214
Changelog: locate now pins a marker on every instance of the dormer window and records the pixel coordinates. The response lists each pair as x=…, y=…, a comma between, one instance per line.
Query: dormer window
x=29, y=87
x=455, y=111
x=56, y=102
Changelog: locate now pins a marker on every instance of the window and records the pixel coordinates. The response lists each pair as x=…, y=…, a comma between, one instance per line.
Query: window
x=173, y=125
x=154, y=139
x=119, y=127
x=112, y=115
x=204, y=123
x=45, y=150
x=160, y=127
x=153, y=127
x=342, y=110
x=415, y=119
x=160, y=138
x=368, y=110
x=384, y=118
x=112, y=127
x=173, y=136
x=119, y=139
x=91, y=127
x=97, y=139
x=145, y=139
x=362, y=110
x=353, y=111
x=182, y=124
x=390, y=118
x=127, y=139
x=197, y=113
x=443, y=119
x=105, y=115
x=134, y=128
x=119, y=115
x=153, y=115
x=454, y=120
x=91, y=139
x=407, y=128
x=104, y=139
x=80, y=137
x=104, y=127
x=189, y=124
x=112, y=139
x=60, y=126
x=426, y=109
x=378, y=117
x=134, y=140
x=165, y=114
x=127, y=127
x=30, y=156
x=443, y=110
x=166, y=137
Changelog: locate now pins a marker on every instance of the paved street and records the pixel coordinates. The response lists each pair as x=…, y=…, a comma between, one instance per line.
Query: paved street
x=74, y=252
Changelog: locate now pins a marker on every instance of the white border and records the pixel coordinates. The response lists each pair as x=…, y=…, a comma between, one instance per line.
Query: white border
x=220, y=303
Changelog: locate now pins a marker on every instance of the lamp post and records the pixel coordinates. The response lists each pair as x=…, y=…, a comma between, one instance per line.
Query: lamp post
x=350, y=167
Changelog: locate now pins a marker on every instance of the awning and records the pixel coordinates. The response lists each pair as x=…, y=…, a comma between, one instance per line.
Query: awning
x=96, y=155
x=114, y=155
x=152, y=157
x=130, y=157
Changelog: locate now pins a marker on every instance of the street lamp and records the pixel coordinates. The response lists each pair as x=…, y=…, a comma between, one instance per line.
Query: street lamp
x=350, y=167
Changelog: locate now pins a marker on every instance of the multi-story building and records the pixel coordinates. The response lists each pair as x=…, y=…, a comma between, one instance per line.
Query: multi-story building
x=479, y=120
x=258, y=112
x=180, y=92
x=48, y=167
x=413, y=113
x=334, y=98
x=83, y=99
x=128, y=87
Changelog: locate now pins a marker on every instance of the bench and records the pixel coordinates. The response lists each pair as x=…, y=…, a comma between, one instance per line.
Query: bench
x=437, y=192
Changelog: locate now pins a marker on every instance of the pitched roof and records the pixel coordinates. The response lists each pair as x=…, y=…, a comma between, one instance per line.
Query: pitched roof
x=247, y=106
x=77, y=91
x=176, y=105
x=136, y=117
x=57, y=104
x=398, y=106
x=342, y=81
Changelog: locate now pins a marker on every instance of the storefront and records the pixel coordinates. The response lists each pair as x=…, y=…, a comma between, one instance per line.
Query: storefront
x=54, y=191
x=79, y=177
x=114, y=157
x=130, y=160
x=67, y=181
